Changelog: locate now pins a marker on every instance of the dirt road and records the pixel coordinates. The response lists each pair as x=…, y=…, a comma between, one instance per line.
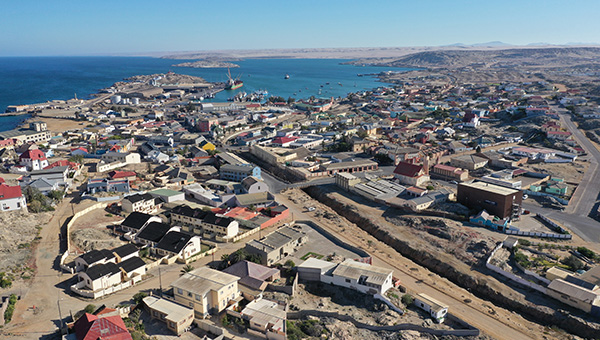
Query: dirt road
x=492, y=320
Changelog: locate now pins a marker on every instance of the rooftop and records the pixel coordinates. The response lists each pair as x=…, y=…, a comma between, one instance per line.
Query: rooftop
x=362, y=271
x=174, y=311
x=204, y=279
x=496, y=189
x=276, y=239
x=433, y=303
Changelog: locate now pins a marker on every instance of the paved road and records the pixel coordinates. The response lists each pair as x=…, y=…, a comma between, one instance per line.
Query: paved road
x=576, y=215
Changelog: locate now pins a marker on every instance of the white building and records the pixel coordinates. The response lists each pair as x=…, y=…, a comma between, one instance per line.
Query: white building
x=33, y=159
x=123, y=157
x=436, y=309
x=359, y=276
x=11, y=198
x=145, y=203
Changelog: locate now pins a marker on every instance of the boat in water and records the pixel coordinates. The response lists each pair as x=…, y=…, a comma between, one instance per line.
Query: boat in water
x=287, y=76
x=231, y=83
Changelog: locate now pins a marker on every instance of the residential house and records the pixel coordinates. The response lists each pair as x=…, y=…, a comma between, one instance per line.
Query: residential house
x=254, y=185
x=95, y=185
x=256, y=200
x=267, y=317
x=484, y=219
x=94, y=257
x=470, y=162
x=411, y=174
x=436, y=309
x=167, y=195
x=42, y=185
x=277, y=245
x=128, y=175
x=450, y=172
x=56, y=175
x=152, y=233
x=122, y=157
x=254, y=278
x=178, y=245
x=219, y=226
x=11, y=198
x=92, y=327
x=238, y=172
x=136, y=221
x=33, y=159
x=145, y=203
x=352, y=274
x=206, y=290
x=457, y=147
x=177, y=317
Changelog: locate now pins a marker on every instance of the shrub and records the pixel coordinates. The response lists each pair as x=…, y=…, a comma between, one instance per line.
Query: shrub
x=225, y=320
x=524, y=242
x=573, y=262
x=138, y=297
x=407, y=299
x=5, y=280
x=89, y=308
x=587, y=253
x=522, y=260
x=290, y=263
x=294, y=332
x=10, y=309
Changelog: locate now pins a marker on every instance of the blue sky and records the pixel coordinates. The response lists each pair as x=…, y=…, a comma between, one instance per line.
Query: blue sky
x=110, y=27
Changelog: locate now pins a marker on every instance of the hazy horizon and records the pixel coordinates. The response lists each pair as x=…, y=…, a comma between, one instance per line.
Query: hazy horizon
x=74, y=28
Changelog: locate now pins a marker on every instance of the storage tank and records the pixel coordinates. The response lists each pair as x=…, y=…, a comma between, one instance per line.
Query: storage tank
x=116, y=99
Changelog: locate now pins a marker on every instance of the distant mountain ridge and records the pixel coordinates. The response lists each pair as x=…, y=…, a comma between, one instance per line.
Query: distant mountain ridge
x=551, y=56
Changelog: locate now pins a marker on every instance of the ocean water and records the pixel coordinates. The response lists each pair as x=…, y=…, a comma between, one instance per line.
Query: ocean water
x=28, y=80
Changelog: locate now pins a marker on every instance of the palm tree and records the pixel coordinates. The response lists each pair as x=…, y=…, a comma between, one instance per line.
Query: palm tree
x=186, y=269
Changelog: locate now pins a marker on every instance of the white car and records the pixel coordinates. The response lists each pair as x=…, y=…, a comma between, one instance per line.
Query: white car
x=311, y=208
x=525, y=196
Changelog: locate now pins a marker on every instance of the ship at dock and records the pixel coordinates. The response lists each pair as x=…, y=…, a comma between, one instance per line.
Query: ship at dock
x=231, y=83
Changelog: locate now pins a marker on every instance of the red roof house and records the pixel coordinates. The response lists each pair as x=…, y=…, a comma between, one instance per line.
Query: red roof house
x=115, y=174
x=91, y=327
x=412, y=174
x=33, y=159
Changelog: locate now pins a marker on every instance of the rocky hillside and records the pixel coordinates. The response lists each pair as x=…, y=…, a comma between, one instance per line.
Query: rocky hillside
x=547, y=57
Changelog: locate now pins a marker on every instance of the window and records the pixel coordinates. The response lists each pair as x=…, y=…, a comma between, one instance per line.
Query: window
x=179, y=291
x=190, y=294
x=348, y=280
x=192, y=304
x=198, y=297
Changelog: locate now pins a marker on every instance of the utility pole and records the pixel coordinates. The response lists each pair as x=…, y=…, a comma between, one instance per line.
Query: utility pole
x=60, y=314
x=160, y=282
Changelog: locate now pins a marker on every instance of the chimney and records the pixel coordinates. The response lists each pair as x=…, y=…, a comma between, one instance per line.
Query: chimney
x=426, y=165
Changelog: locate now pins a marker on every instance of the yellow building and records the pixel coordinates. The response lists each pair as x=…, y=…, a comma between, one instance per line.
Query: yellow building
x=206, y=146
x=206, y=290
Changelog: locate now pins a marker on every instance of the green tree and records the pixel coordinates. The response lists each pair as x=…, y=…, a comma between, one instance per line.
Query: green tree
x=290, y=263
x=56, y=195
x=407, y=299
x=138, y=297
x=186, y=269
x=573, y=262
x=89, y=309
x=35, y=206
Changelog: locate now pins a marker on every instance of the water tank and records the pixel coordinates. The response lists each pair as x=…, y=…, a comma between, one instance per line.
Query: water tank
x=115, y=99
x=135, y=101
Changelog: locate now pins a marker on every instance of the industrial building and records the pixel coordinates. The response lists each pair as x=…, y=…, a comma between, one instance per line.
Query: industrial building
x=496, y=200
